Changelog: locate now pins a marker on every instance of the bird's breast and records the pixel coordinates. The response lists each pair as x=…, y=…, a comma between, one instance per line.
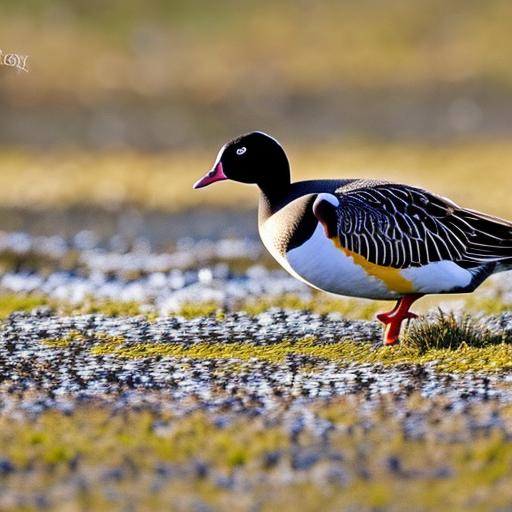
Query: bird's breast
x=323, y=264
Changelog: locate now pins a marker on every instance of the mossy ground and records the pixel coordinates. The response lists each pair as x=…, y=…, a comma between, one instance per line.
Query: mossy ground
x=490, y=358
x=321, y=303
x=378, y=454
x=11, y=302
x=389, y=454
x=14, y=302
x=368, y=461
x=445, y=342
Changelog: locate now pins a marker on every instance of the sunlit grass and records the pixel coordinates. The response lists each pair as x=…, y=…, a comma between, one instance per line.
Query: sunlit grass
x=28, y=302
x=320, y=303
x=476, y=175
x=487, y=357
x=11, y=302
x=452, y=333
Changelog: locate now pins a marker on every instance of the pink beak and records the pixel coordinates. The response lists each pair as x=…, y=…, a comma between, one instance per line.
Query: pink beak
x=216, y=174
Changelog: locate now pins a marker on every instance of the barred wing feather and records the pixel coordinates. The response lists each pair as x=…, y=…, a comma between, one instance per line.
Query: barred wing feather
x=401, y=226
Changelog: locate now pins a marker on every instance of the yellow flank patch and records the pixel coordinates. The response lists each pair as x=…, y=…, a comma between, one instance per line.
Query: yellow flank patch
x=391, y=277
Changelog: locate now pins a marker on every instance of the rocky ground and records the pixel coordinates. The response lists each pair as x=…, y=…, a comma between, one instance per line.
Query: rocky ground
x=201, y=377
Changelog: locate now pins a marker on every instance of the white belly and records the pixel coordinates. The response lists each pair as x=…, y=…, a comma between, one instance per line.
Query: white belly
x=320, y=264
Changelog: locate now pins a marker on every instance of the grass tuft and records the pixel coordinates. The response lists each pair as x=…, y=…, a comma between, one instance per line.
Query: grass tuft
x=449, y=332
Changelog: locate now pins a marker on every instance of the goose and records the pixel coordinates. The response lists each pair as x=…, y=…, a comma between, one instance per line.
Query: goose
x=365, y=238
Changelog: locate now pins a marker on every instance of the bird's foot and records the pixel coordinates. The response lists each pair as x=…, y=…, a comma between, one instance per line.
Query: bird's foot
x=393, y=326
x=393, y=319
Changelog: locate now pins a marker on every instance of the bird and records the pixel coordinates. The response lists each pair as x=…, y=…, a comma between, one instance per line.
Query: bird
x=365, y=238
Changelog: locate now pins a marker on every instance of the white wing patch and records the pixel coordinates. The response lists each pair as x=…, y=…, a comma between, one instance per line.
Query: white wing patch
x=330, y=198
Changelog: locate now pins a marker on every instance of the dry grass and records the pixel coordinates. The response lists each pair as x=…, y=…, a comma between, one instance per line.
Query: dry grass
x=206, y=51
x=476, y=175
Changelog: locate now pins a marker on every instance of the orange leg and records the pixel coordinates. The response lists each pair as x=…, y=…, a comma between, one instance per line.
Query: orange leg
x=393, y=319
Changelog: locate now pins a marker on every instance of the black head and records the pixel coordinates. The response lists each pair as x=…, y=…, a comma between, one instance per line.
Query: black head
x=251, y=158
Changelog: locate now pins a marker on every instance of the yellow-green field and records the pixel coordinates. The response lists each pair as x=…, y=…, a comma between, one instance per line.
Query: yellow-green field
x=204, y=51
x=474, y=174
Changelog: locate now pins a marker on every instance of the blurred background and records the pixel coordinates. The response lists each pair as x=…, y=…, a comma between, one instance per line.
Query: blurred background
x=126, y=103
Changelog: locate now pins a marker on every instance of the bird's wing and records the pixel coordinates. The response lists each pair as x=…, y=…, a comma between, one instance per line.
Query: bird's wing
x=401, y=226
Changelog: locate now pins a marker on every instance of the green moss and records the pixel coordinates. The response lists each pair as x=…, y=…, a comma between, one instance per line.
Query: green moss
x=56, y=342
x=66, y=341
x=447, y=345
x=106, y=307
x=451, y=465
x=193, y=310
x=11, y=302
x=321, y=303
x=464, y=358
x=59, y=455
x=237, y=456
x=275, y=352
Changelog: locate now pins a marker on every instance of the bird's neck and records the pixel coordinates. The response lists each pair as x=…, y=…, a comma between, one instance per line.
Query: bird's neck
x=274, y=185
x=272, y=198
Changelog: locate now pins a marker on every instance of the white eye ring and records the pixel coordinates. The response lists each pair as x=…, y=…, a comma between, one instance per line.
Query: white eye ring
x=241, y=151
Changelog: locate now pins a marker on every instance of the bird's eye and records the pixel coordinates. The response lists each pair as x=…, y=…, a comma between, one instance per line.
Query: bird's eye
x=241, y=151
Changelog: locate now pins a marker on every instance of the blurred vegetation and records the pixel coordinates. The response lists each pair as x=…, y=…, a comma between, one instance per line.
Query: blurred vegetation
x=156, y=74
x=129, y=75
x=87, y=50
x=476, y=175
x=430, y=453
